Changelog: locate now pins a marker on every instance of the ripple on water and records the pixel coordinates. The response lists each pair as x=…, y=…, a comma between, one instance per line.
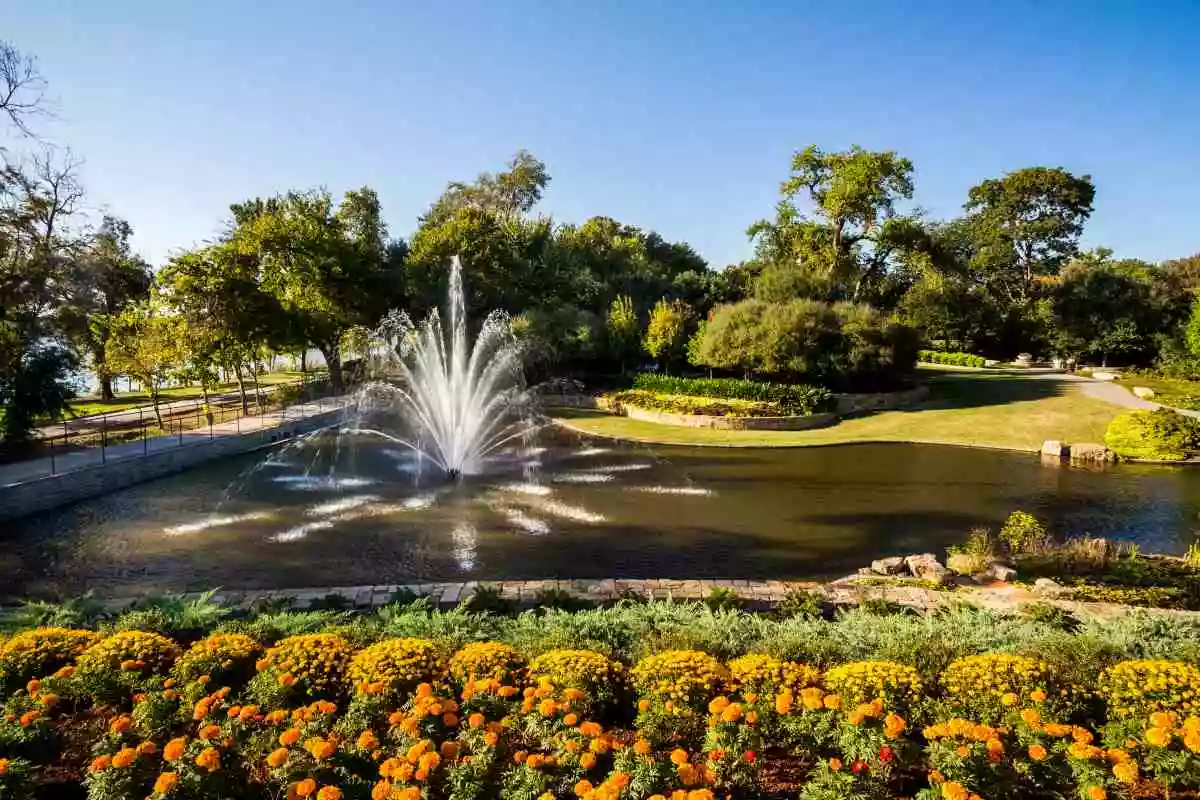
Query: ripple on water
x=344, y=504
x=525, y=488
x=215, y=522
x=300, y=531
x=523, y=521
x=581, y=477
x=690, y=491
x=317, y=483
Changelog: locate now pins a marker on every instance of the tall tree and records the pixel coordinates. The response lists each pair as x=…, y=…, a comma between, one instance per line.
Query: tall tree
x=106, y=277
x=148, y=344
x=325, y=264
x=1026, y=226
x=847, y=247
x=22, y=88
x=514, y=191
x=667, y=332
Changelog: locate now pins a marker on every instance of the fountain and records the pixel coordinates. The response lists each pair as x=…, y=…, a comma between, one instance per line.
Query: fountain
x=459, y=403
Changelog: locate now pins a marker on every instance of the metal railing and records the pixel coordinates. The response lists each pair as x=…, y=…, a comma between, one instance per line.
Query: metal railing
x=185, y=420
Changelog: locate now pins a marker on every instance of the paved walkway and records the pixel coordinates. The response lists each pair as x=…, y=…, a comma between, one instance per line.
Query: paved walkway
x=21, y=471
x=1113, y=393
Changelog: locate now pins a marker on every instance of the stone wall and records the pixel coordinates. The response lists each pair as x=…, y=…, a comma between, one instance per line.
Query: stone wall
x=51, y=491
x=881, y=401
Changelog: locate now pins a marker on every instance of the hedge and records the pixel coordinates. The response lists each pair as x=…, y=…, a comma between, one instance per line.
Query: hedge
x=1161, y=435
x=953, y=359
x=792, y=399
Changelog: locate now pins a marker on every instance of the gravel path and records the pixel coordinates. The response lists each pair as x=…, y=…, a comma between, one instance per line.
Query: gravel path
x=1113, y=393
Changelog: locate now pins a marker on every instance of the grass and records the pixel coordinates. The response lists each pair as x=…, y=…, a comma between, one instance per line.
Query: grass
x=1172, y=392
x=966, y=408
x=87, y=406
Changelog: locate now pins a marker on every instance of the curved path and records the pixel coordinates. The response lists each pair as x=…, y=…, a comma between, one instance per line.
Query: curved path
x=1118, y=395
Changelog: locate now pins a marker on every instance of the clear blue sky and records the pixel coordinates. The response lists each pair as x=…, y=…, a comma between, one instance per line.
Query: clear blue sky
x=675, y=116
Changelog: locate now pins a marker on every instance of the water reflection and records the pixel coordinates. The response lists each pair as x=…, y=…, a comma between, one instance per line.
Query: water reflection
x=330, y=513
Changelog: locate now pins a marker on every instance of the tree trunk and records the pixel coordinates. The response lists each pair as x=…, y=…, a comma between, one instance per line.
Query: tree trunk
x=333, y=360
x=106, y=389
x=152, y=388
x=237, y=370
x=304, y=361
x=258, y=397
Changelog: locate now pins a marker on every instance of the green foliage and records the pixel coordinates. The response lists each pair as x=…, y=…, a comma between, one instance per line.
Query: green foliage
x=1051, y=616
x=953, y=359
x=1022, y=532
x=1161, y=435
x=801, y=603
x=686, y=404
x=666, y=334
x=487, y=599
x=831, y=344
x=622, y=330
x=791, y=398
x=559, y=599
x=722, y=598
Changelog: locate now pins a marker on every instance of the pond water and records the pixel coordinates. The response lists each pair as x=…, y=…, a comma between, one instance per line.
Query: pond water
x=342, y=511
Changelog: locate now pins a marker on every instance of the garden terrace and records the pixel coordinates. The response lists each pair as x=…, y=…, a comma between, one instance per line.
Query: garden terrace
x=632, y=701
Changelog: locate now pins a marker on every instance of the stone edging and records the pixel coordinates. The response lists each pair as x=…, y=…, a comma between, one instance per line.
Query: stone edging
x=794, y=423
x=756, y=595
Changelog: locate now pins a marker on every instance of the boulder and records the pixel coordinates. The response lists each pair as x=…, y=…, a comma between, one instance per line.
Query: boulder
x=1001, y=572
x=926, y=567
x=1144, y=392
x=1101, y=375
x=963, y=564
x=888, y=566
x=1088, y=451
x=1055, y=448
x=1048, y=587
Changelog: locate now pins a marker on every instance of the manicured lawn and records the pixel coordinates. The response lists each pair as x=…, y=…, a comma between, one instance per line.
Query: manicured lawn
x=1008, y=411
x=1168, y=391
x=86, y=406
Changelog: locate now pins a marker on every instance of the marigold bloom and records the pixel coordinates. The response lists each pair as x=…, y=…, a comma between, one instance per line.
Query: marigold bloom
x=174, y=748
x=1159, y=737
x=166, y=782
x=289, y=737
x=209, y=732
x=491, y=739
x=641, y=747
x=679, y=756
x=147, y=748
x=835, y=764
x=583, y=788
x=100, y=763
x=1037, y=696
x=305, y=787
x=367, y=740
x=329, y=793
x=210, y=759
x=1126, y=772
x=1037, y=752
x=1097, y=793
x=953, y=790
x=278, y=757
x=832, y=701
x=587, y=760
x=124, y=757
x=570, y=720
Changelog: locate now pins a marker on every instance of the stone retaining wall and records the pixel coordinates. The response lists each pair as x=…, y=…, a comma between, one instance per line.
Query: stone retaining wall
x=51, y=491
x=880, y=401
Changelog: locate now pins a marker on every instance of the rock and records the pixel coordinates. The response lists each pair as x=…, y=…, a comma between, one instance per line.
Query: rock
x=1087, y=451
x=1048, y=586
x=1055, y=448
x=1001, y=572
x=926, y=567
x=963, y=564
x=1024, y=360
x=866, y=571
x=1144, y=392
x=1100, y=375
x=888, y=566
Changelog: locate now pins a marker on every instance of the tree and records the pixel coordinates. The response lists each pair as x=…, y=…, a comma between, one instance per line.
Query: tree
x=147, y=344
x=622, y=331
x=512, y=192
x=22, y=87
x=667, y=332
x=1106, y=309
x=1026, y=226
x=847, y=249
x=326, y=266
x=107, y=276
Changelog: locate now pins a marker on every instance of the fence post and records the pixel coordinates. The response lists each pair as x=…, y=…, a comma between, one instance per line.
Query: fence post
x=104, y=438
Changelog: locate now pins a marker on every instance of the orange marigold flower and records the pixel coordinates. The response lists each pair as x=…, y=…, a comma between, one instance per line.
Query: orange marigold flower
x=209, y=759
x=832, y=701
x=124, y=757
x=287, y=679
x=1037, y=696
x=174, y=748
x=289, y=737
x=305, y=787
x=491, y=738
x=953, y=790
x=587, y=760
x=278, y=757
x=835, y=764
x=448, y=750
x=783, y=703
x=1096, y=793
x=329, y=793
x=583, y=788
x=367, y=740
x=643, y=705
x=209, y=732
x=1037, y=752
x=641, y=747
x=475, y=720
x=166, y=783
x=1126, y=772
x=147, y=748
x=48, y=700
x=120, y=724
x=679, y=756
x=33, y=686
x=570, y=720
x=100, y=763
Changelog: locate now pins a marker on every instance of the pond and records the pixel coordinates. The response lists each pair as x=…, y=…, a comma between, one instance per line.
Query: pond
x=343, y=511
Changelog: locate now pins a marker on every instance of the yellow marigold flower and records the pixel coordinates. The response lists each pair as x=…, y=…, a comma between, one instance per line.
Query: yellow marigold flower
x=367, y=740
x=718, y=704
x=733, y=713
x=679, y=756
x=953, y=790
x=1009, y=699
x=1037, y=696
x=1097, y=793
x=147, y=748
x=587, y=760
x=783, y=703
x=329, y=793
x=1126, y=772
x=832, y=701
x=1159, y=737
x=1031, y=717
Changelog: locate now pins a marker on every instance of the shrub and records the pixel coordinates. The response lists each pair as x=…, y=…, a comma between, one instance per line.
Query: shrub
x=801, y=603
x=953, y=359
x=1022, y=533
x=1161, y=435
x=988, y=687
x=761, y=674
x=722, y=598
x=585, y=670
x=398, y=664
x=688, y=677
x=39, y=652
x=1141, y=687
x=686, y=404
x=897, y=685
x=225, y=658
x=790, y=398
x=312, y=665
x=130, y=651
x=480, y=660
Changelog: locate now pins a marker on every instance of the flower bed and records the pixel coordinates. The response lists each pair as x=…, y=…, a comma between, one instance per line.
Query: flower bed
x=415, y=704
